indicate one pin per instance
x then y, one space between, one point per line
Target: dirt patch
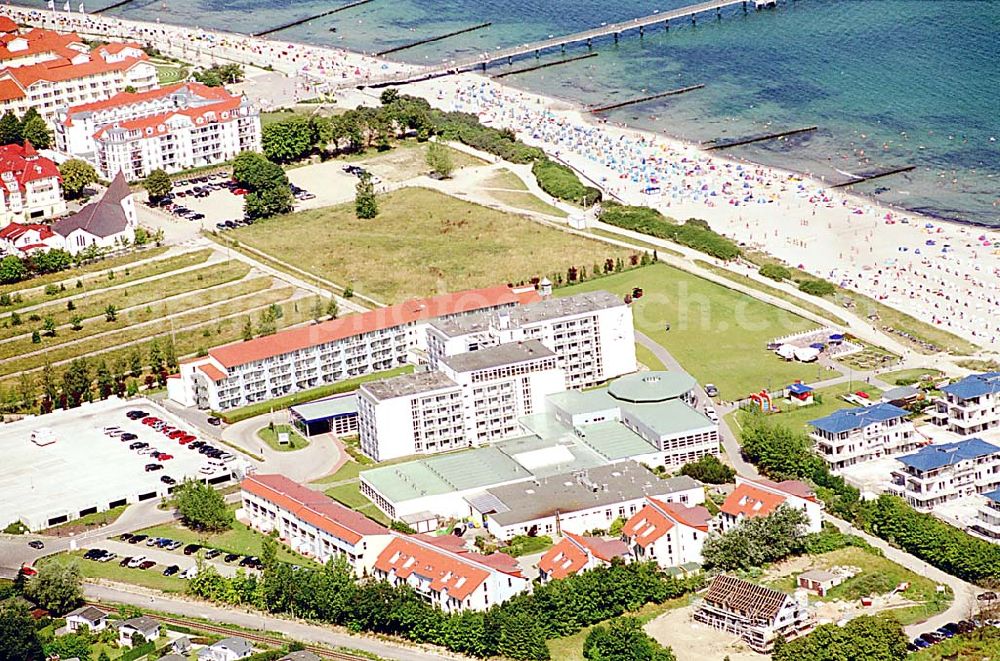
695 641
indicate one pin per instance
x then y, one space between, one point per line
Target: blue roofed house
939 473
856 435
970 405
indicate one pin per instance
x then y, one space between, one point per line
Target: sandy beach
943 273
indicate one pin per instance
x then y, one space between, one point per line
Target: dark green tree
18 635
623 639
365 203
51 261
105 381
10 129
288 140
35 131
157 184
201 507
268 202
757 541
58 587
709 470
76 382
76 176
12 270
868 637
439 159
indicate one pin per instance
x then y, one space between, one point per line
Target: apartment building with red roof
171 128
311 522
296 359
761 497
451 581
671 534
46 70
30 186
576 553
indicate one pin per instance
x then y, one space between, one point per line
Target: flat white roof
84 468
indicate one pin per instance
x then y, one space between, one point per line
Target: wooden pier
615 30
873 174
644 99
116 5
300 21
545 66
736 142
433 39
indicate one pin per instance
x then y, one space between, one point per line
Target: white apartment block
761 497
939 473
668 533
758 615
590 333
473 399
59 70
297 359
987 521
171 128
970 405
30 186
576 502
857 435
311 522
450 580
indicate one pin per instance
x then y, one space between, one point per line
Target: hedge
817 287
775 272
561 182
466 128
694 233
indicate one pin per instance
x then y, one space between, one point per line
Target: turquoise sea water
889 82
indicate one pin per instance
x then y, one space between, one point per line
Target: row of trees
757 541
868 637
516 629
30 127
15 269
219 75
85 379
694 233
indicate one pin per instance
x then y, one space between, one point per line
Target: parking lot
166 556
64 465
215 201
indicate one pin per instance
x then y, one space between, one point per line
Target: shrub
466 128
710 470
561 182
775 272
694 233
817 287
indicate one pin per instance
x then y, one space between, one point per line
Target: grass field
270 436
526 201
905 376
422 242
646 357
95 520
504 179
87 271
407 159
168 74
877 576
797 417
240 539
570 648
717 334
350 496
152 578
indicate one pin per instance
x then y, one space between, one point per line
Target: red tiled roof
129 98
209 113
748 500
25 163
445 571
647 525
9 89
62 69
692 517
7 24
212 372
313 507
14 231
563 559
294 339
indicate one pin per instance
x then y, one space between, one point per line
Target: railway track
271 641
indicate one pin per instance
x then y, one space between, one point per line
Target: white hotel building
857 435
172 128
591 334
474 398
943 472
297 359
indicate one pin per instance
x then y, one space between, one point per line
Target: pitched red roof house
657 517
573 553
443 570
24 163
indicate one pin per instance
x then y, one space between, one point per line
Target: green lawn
878 576
348 494
647 358
87 271
527 201
426 242
909 376
570 648
95 520
240 539
869 358
152 578
169 74
407 159
504 179
295 440
717 334
797 417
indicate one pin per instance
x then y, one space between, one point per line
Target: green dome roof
651 386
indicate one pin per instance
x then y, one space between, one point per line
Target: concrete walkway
294 629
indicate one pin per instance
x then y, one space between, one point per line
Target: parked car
212 553
169 481
136 561
215 422
138 445
36 544
190 572
187 438
153 467
165 457
711 390
136 414
127 436
148 564
125 536
174 545
171 570
231 557
137 538
107 557
93 554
